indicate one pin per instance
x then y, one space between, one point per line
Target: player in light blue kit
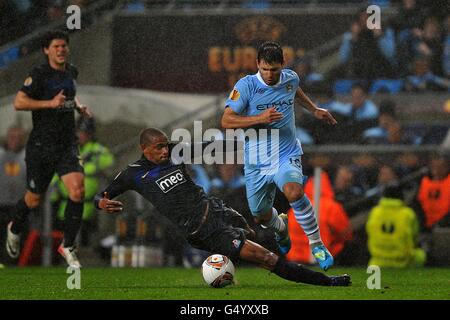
266 101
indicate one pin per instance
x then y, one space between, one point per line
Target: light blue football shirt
252 96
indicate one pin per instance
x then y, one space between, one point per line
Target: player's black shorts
224 230
43 164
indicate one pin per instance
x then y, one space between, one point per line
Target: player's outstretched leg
12 242
16 226
69 254
304 214
291 271
279 224
282 238
72 224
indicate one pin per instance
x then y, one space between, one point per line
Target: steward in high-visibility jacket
392 230
434 192
96 158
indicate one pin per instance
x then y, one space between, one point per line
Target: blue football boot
323 257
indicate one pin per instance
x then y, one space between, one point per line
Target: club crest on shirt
235 95
28 81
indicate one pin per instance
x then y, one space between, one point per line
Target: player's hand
58 100
323 114
110 206
85 111
270 115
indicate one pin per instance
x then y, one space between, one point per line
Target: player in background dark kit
49 92
206 222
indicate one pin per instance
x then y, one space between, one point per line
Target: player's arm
103 200
232 120
23 102
83 109
319 113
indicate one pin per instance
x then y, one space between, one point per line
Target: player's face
57 52
269 72
158 150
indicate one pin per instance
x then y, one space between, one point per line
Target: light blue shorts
261 187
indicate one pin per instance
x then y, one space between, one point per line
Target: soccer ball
218 271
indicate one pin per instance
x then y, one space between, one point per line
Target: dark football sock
72 222
20 216
298 273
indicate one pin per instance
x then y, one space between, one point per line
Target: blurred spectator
423 78
307 76
389 130
434 194
356 117
12 181
430 44
315 131
97 159
327 99
55 11
409 16
446 50
408 163
369 54
422 42
392 230
366 171
387 175
229 177
334 224
345 187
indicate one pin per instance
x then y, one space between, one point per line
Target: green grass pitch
187 284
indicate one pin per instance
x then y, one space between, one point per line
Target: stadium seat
9 55
343 86
387 86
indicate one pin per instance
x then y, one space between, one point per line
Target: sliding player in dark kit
206 222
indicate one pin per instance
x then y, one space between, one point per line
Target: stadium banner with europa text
208 53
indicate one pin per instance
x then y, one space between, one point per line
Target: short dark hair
270 52
388 107
393 191
361 85
54 34
148 135
86 125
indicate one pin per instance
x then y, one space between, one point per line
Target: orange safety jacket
434 197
